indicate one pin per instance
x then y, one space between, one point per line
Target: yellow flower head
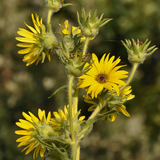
103 75
29 132
61 120
37 42
125 95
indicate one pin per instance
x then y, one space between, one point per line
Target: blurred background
27 88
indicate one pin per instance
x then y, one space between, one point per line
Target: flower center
101 78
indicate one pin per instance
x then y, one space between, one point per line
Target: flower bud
90 25
75 66
138 51
55 5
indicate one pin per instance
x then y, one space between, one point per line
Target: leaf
59 89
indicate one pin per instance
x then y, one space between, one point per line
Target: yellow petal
112 117
25 45
31 28
42 151
66 24
25 33
81 118
65 31
56 115
34 118
48 118
41 114
24 124
23 132
24 51
25 40
30 147
24 138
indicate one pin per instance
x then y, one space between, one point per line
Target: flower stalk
50 12
131 75
70 93
85 45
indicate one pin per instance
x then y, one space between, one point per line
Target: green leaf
59 139
59 89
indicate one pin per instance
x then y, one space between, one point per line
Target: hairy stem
75 101
71 78
50 12
101 104
85 46
132 73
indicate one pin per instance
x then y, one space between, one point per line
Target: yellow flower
125 96
61 120
103 75
37 42
29 132
66 29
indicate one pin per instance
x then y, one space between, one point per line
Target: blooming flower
103 75
61 119
126 95
29 132
37 42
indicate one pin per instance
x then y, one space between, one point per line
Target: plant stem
49 16
75 101
85 46
134 68
101 104
73 106
71 78
78 152
96 111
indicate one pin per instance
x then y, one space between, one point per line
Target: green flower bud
90 25
55 5
75 65
138 51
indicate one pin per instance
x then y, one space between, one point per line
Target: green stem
96 111
71 78
75 101
134 68
101 104
78 152
49 16
73 107
85 46
74 151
